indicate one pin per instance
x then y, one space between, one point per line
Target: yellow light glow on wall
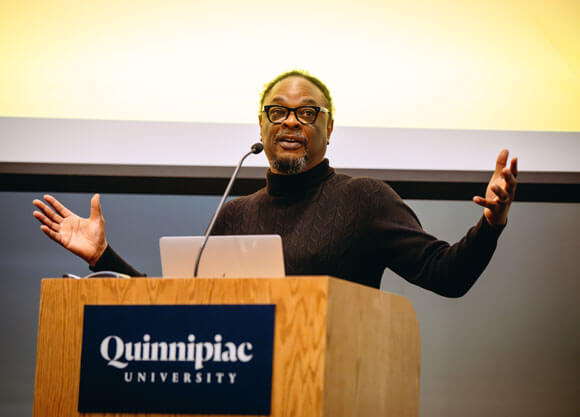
511 65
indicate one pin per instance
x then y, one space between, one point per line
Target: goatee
290 166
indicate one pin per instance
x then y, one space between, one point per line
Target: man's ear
260 123
329 128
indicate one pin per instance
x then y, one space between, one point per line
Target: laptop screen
247 256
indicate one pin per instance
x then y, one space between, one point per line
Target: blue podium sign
190 359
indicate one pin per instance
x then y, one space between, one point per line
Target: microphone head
257 148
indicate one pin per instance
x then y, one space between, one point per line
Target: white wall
203 144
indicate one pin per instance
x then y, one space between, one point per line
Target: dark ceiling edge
258 173
420 190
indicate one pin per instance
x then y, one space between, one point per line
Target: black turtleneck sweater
350 228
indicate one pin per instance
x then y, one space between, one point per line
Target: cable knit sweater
350 228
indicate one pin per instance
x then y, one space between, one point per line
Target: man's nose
291 121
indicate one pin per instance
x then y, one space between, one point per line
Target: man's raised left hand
500 191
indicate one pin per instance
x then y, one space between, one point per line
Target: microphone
255 149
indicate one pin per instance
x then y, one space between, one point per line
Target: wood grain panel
341 349
372 353
298 335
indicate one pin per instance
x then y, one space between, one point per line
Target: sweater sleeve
110 261
422 259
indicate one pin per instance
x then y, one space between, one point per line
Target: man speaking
331 224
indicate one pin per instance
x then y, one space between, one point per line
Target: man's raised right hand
83 237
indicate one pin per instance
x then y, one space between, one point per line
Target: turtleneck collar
281 185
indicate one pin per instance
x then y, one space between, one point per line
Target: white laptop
248 256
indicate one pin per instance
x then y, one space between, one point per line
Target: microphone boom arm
256 148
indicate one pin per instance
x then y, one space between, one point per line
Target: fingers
51 234
62 210
514 167
500 191
47 211
41 217
510 181
481 202
490 204
501 161
96 212
502 196
509 175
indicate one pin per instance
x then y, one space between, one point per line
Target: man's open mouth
291 142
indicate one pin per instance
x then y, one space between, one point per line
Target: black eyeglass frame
317 109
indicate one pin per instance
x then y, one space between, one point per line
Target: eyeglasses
304 114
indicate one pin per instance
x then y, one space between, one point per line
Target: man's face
291 146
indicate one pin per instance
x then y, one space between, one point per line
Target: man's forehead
296 89
301 99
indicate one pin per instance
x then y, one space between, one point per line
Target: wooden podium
340 349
